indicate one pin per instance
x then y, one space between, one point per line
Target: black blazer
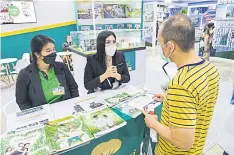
29 91
93 70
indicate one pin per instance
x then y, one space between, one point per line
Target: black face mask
50 59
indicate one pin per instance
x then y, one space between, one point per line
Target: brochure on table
15 12
108 15
223 39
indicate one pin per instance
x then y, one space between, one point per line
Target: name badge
58 91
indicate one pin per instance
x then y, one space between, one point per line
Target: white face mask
110 50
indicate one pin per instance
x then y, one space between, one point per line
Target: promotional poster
224 36
13 12
230 11
178 10
196 14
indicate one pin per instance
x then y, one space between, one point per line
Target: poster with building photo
98 27
98 9
148 30
120 26
84 10
223 39
133 10
178 10
148 12
114 11
15 12
85 28
221 10
195 13
230 11
109 27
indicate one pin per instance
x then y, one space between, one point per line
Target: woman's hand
115 74
111 71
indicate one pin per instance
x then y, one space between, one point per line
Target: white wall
47 12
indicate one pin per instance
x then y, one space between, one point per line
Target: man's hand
159 97
150 120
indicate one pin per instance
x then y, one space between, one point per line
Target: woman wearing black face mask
44 81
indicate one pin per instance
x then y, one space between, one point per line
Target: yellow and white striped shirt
189 103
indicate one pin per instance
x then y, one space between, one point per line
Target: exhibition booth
110 121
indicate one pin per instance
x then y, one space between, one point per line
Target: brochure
89 105
119 95
29 118
125 109
143 102
103 121
22 142
58 108
66 133
215 150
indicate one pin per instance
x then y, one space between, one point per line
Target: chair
27 57
58 59
21 64
3 76
10 108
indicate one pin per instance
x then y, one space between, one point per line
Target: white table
65 55
7 62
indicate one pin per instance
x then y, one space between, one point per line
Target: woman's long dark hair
101 41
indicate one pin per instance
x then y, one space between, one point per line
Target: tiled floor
155 77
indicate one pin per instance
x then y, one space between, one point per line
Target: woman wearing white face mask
209 30
107 69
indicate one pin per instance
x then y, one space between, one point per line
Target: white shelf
109 21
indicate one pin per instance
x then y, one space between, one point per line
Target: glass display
85 41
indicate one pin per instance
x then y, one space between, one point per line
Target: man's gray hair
179 29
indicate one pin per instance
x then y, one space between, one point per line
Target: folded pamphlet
89 105
102 122
126 109
67 133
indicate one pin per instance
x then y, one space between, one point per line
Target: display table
135 58
125 140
